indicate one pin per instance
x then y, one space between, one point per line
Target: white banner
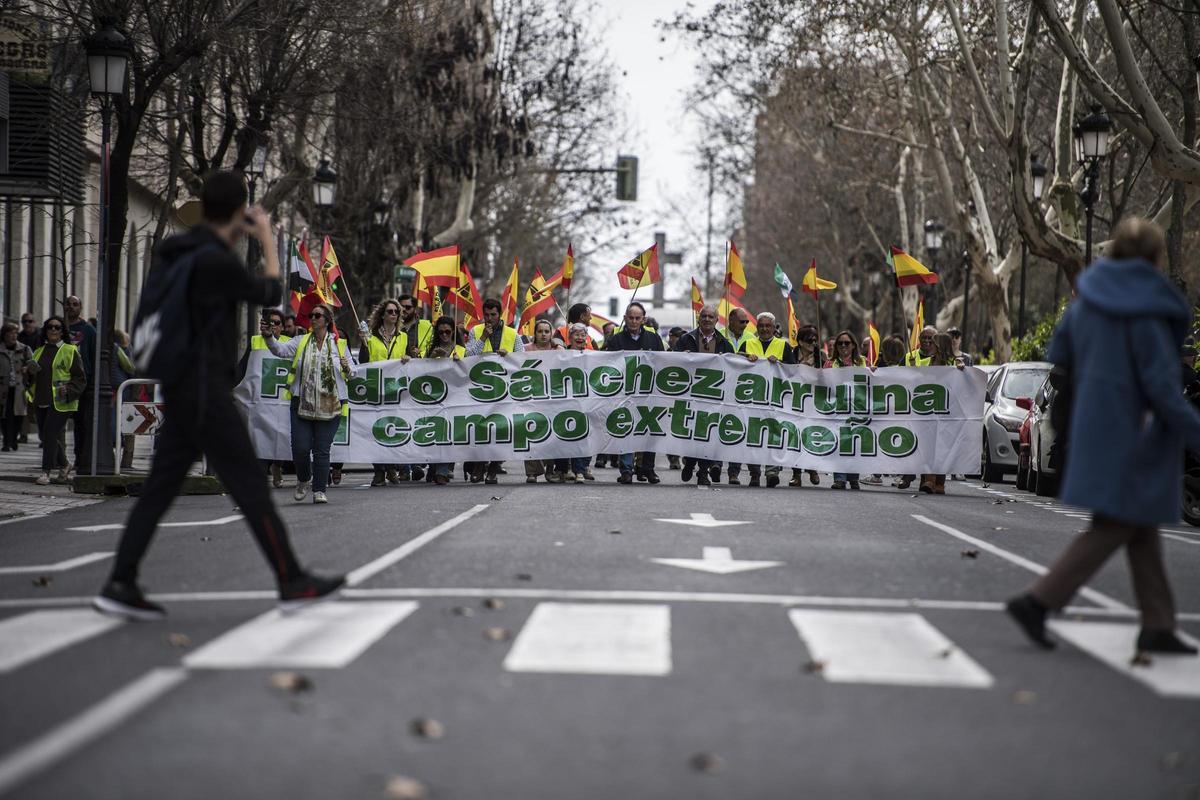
899 420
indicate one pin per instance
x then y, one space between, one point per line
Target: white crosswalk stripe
31 636
325 636
886 648
1113 643
598 639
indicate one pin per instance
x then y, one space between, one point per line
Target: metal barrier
141 419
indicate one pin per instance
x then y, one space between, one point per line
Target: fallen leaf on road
493 604
1141 659
970 554
497 497
428 728
706 762
1024 697
615 533
179 640
402 787
462 611
949 651
41 581
814 667
524 576
498 634
206 538
292 682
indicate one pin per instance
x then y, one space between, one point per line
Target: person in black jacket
634 337
200 416
704 339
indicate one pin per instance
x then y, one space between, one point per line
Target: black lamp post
108 59
1091 146
1037 171
324 184
935 233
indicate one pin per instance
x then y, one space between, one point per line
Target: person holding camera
200 417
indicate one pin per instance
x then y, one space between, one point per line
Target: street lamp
935 233
380 212
1091 146
1037 172
324 185
108 58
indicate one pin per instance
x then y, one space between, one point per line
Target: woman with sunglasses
318 397
845 354
383 341
445 341
55 393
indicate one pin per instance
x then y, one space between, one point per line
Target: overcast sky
672 196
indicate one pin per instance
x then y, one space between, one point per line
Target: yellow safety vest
257 342
304 340
60 375
378 351
754 347
915 359
858 362
737 344
424 337
508 338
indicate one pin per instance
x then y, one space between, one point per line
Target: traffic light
627 177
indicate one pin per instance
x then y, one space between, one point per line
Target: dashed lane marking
387 560
61 566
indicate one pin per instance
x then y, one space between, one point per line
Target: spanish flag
813 284
437 267
568 267
914 338
508 299
466 297
641 271
697 298
727 304
873 350
909 271
421 291
539 297
735 272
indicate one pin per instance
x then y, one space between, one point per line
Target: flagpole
820 348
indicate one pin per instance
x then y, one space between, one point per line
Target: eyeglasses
845 344
316 315
809 339
274 322
446 332
26 322
407 308
54 327
392 310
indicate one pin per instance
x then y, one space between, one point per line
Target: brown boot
927 483
939 484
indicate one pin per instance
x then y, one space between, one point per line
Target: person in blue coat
1129 422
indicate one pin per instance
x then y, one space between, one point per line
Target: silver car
1002 416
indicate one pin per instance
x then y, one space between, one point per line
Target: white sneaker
319 497
301 490
43 479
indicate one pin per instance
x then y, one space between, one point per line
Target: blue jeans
845 476
627 462
313 436
580 465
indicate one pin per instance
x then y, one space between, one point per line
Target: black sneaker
755 481
1151 641
772 481
703 479
714 473
125 600
652 476
308 589
625 477
686 475
418 474
1030 616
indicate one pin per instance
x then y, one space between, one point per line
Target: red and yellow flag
793 325
539 297
735 272
437 267
697 298
813 283
568 267
909 271
872 353
421 291
508 298
641 271
914 338
466 298
329 272
302 252
727 304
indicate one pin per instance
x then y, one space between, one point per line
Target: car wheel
1191 502
991 474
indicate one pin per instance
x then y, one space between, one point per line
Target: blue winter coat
1129 423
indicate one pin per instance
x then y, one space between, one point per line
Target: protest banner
560 404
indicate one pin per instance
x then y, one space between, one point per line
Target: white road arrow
705 521
718 560
197 524
61 566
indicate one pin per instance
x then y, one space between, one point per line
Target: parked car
1003 415
1023 449
1045 462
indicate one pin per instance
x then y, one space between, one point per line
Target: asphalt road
865 655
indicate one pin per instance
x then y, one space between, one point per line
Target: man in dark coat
1119 341
704 339
634 337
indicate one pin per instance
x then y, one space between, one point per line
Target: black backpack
162 329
